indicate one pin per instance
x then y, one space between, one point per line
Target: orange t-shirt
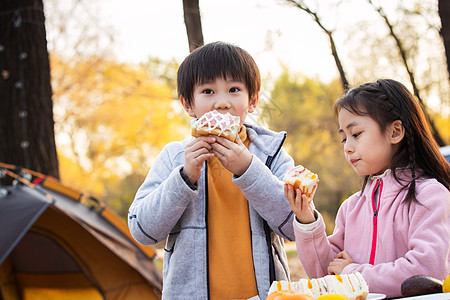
231 271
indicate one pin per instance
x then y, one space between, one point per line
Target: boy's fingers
224 142
238 140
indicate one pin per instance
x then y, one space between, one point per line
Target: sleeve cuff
307 227
193 186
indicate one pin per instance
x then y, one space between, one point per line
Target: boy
220 204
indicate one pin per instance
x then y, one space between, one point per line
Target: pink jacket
401 240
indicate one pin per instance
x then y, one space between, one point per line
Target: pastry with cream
224 125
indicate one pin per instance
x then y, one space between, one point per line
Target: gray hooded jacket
165 207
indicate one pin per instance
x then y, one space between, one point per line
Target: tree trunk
27 136
444 14
193 23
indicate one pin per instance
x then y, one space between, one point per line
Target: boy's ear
253 102
397 132
187 107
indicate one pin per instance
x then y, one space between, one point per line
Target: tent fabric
17 214
58 247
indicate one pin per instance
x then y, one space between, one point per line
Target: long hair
386 101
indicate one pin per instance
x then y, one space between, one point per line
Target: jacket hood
266 140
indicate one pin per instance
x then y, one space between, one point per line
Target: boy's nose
222 103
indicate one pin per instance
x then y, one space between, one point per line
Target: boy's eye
343 141
234 90
208 91
356 134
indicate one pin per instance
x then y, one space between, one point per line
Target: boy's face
223 95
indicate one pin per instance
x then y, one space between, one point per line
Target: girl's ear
253 102
397 132
187 107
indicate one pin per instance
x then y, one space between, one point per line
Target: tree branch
301 5
403 54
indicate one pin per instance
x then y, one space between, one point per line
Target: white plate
439 296
373 296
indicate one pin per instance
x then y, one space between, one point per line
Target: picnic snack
332 297
213 122
353 286
289 295
303 179
446 285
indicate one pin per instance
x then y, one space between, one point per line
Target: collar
375 177
243 134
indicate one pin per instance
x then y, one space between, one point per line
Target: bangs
356 104
218 64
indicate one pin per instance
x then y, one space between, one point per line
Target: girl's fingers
305 202
288 192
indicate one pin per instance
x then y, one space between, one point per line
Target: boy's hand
235 157
196 152
342 260
299 204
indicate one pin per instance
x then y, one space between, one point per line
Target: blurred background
98 102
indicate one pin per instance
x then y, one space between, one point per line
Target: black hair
386 101
214 60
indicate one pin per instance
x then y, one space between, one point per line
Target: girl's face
223 95
366 147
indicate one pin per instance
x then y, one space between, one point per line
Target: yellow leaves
112 120
443 125
307 115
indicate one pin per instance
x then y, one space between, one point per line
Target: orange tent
57 243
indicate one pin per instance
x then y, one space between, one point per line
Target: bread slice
305 180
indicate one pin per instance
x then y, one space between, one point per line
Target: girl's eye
234 90
208 91
356 134
343 141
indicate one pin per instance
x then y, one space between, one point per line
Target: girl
398 225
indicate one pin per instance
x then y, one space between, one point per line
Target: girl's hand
342 260
299 204
196 152
235 157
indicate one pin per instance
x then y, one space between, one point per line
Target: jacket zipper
379 186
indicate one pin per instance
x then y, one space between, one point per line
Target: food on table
213 122
332 297
352 286
305 180
446 285
289 295
421 285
